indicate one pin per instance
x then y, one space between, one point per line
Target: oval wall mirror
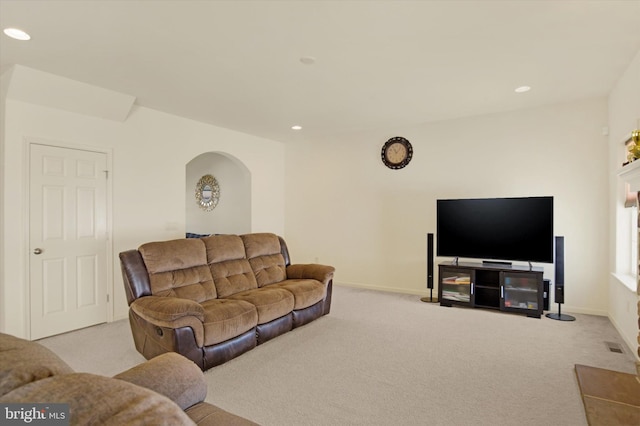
207 193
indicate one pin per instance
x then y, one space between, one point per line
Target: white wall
345 208
149 153
624 116
4 88
232 215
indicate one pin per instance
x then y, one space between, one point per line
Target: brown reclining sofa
167 390
214 298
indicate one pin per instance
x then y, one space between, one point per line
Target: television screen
496 228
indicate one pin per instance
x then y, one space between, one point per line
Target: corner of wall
624 116
50 90
5 79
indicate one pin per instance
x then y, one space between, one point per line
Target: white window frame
627 232
633 249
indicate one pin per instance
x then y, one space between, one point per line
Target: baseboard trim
631 345
420 293
552 307
576 310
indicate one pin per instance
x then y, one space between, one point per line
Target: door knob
37 251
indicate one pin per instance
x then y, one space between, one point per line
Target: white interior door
68 239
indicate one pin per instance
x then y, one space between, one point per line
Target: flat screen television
509 229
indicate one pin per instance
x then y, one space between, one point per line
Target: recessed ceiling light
17 34
522 89
308 60
296 127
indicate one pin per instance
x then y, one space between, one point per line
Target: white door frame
28 141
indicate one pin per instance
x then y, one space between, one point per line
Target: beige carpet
390 359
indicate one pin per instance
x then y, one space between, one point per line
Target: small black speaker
545 294
429 260
559 266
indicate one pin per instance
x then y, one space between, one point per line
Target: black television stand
508 288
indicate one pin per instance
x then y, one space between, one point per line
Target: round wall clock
396 153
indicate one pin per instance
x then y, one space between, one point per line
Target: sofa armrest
171 312
134 275
171 375
322 273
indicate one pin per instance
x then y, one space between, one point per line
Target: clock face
396 153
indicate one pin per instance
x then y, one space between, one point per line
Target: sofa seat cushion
271 302
305 292
23 362
225 319
98 400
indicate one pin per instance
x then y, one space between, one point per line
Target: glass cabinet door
521 291
456 285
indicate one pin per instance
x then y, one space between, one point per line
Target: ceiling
379 65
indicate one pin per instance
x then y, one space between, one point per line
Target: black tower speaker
559 266
429 260
430 270
559 287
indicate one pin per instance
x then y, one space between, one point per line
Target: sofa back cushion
23 362
265 257
228 264
179 268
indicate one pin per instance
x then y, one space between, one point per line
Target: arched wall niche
232 215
